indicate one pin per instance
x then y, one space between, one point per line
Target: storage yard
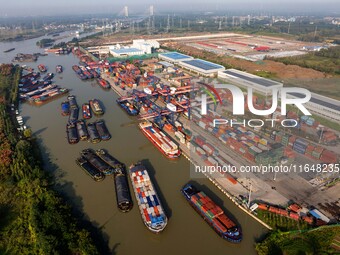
169 96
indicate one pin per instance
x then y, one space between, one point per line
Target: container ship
42 68
90 170
149 204
86 111
128 107
163 143
212 214
96 107
123 196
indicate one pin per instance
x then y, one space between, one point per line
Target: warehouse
125 52
174 57
243 79
201 67
321 105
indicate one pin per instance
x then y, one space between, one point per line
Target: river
125 233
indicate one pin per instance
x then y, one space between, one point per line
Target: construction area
170 97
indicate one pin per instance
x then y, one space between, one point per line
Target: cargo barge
86 111
72 101
128 107
9 50
96 107
97 162
82 130
65 108
102 130
90 170
73 117
212 214
48 95
151 210
123 196
163 143
72 134
93 133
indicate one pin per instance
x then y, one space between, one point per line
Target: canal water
186 233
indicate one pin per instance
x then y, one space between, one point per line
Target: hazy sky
56 7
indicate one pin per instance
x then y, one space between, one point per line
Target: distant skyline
67 7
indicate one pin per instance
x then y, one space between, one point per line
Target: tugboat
150 208
96 107
65 108
86 111
59 69
42 68
90 170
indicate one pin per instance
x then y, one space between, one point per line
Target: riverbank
34 218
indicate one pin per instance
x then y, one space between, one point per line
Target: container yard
166 100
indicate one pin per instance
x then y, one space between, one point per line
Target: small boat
102 130
9 50
104 83
82 130
93 133
65 108
59 69
150 208
95 161
86 111
48 77
42 68
96 107
89 169
73 102
128 107
74 114
72 134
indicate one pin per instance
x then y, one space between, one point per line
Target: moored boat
93 133
123 196
97 162
82 130
96 107
102 130
42 68
9 50
150 208
212 214
104 83
162 142
59 68
89 169
72 134
72 101
86 111
74 114
65 108
128 107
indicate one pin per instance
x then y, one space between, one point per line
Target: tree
28 133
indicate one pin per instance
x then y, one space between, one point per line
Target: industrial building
122 52
174 57
201 67
147 46
243 79
321 105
